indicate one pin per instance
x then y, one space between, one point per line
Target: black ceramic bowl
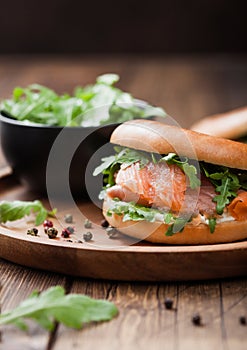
40 155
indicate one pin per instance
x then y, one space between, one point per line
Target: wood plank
16 284
234 305
202 298
142 323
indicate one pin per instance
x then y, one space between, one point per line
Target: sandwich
170 185
231 125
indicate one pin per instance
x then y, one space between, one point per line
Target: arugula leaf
189 169
124 157
11 211
177 226
52 305
135 212
93 105
226 184
212 224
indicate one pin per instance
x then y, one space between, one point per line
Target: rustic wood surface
188 88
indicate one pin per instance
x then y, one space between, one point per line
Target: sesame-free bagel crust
153 136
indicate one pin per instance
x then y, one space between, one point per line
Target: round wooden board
120 258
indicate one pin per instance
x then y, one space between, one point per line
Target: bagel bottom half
155 232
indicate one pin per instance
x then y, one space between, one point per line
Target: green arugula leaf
11 211
135 212
177 226
92 105
124 157
52 305
212 224
226 184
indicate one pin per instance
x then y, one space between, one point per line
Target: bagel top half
152 136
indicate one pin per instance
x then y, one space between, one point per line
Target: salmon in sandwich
170 185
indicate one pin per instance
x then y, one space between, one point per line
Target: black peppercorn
168 303
242 320
52 232
196 319
104 223
87 236
68 218
33 231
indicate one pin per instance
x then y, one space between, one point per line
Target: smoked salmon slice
161 185
238 207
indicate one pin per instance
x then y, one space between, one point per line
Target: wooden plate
120 258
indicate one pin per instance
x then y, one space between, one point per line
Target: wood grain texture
16 285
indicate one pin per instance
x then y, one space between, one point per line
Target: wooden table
188 88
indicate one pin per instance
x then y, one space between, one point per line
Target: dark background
62 26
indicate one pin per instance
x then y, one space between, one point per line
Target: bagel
230 125
169 185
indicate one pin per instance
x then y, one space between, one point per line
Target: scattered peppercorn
242 320
87 236
87 224
68 218
196 319
79 241
111 232
69 240
168 303
65 233
48 223
52 232
70 229
33 231
104 223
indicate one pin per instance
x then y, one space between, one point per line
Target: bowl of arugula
35 117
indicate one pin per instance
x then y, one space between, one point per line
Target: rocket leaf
52 305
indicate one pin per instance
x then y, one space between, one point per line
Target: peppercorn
111 232
48 223
52 232
68 218
196 319
104 223
168 303
79 241
87 236
70 229
242 320
65 233
33 231
87 224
